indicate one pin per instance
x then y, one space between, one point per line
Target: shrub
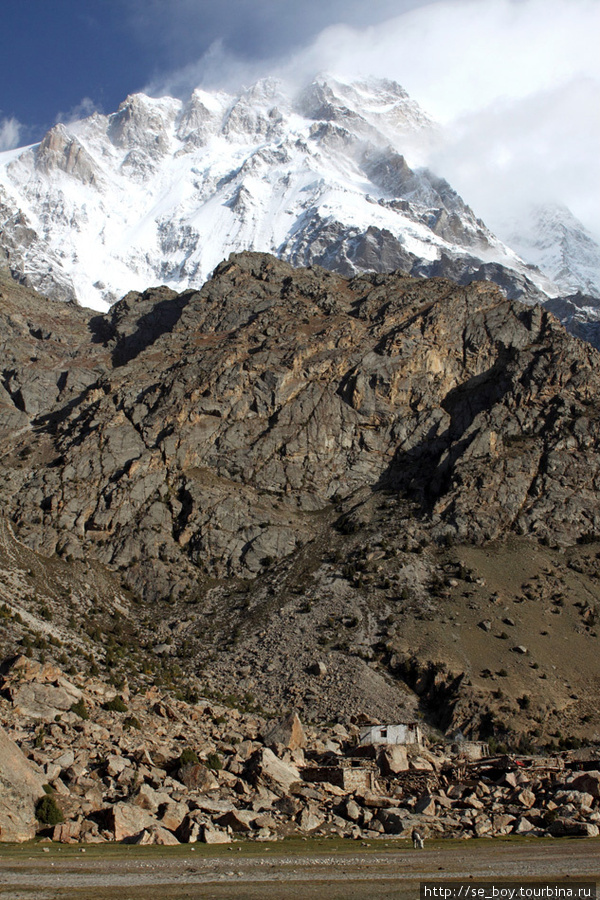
132 722
496 747
117 704
188 757
80 709
47 811
213 761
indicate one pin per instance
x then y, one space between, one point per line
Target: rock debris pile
149 769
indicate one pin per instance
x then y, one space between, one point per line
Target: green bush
47 811
188 757
213 761
117 704
80 709
132 722
496 747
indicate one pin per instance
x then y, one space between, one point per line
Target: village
81 763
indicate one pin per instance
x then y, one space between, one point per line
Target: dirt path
352 874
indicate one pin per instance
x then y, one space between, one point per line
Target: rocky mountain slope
161 191
376 495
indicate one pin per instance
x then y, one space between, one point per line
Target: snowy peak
382 105
143 124
551 237
201 117
162 190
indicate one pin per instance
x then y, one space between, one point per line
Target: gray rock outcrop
22 785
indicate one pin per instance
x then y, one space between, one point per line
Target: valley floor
310 870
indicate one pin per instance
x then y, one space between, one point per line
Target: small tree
47 811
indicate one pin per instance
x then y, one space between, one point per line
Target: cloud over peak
10 133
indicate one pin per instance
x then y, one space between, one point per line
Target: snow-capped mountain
162 190
552 238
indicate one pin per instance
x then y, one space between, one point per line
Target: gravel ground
365 874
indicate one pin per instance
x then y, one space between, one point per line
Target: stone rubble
114 782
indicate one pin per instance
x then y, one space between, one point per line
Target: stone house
472 750
351 775
403 733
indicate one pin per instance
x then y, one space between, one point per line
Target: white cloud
10 131
515 83
537 149
455 56
217 68
86 107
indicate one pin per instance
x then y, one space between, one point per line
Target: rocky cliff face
204 431
289 443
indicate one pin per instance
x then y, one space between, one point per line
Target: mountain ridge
160 191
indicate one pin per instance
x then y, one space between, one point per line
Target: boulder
21 786
67 832
394 821
116 765
127 821
502 823
198 778
523 826
273 772
482 827
526 798
573 827
576 798
392 759
589 782
353 810
45 701
239 820
420 764
211 805
378 801
319 669
288 732
264 820
172 815
147 798
190 829
156 834
65 760
425 806
212 835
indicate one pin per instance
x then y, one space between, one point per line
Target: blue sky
514 83
58 53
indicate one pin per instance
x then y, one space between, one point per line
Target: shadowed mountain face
246 430
202 433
